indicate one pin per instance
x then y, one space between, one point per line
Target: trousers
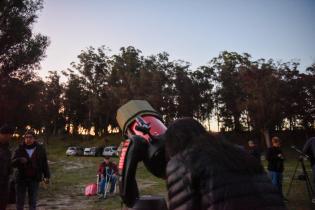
29 186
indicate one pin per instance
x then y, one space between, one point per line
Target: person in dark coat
309 149
205 173
31 161
275 160
5 164
253 150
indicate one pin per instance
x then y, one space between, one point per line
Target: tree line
242 94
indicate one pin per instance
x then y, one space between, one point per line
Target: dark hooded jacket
36 168
207 173
198 180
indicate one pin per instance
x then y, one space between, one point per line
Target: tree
308 109
52 105
18 101
262 86
94 68
183 85
152 80
203 84
124 78
229 92
20 49
20 53
75 102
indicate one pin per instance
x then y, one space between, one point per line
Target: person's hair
275 139
184 133
187 134
6 129
30 132
251 142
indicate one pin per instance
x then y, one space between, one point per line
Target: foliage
259 95
20 53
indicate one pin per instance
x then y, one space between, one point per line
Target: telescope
304 176
300 152
142 128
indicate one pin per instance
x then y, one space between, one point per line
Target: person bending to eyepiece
205 173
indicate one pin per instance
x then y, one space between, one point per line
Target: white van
90 151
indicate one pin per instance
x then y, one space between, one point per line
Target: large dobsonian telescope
141 126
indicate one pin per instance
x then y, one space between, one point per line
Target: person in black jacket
31 161
309 149
253 150
5 164
275 160
206 173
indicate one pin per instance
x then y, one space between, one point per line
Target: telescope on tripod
304 176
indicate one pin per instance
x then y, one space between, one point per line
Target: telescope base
150 202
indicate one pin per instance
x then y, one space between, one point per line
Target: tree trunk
266 135
237 123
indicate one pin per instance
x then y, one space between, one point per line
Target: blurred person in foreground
309 149
205 173
5 164
30 159
275 160
107 171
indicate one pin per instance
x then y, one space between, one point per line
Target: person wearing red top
108 171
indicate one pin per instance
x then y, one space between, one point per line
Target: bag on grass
91 189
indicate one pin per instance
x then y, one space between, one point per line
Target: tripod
304 176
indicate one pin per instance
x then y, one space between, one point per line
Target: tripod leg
292 178
307 181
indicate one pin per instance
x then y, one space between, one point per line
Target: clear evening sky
194 31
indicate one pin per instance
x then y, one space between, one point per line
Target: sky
194 31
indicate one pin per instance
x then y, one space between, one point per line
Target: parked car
73 151
90 151
110 151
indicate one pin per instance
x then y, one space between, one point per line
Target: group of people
203 172
275 159
30 160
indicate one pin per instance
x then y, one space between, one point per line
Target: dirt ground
77 201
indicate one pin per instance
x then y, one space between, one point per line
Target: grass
70 175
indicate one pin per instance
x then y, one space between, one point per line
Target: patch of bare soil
61 203
76 201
